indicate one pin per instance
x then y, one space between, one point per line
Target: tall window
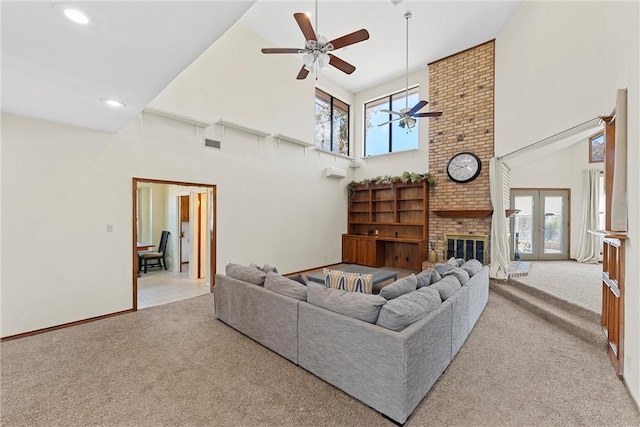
389 138
332 123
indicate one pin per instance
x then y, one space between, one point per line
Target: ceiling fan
407 116
317 48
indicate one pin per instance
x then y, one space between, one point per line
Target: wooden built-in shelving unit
387 225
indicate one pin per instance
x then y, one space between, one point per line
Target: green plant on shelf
406 177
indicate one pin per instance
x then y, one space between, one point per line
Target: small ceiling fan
407 116
317 48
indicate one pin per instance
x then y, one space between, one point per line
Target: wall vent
212 143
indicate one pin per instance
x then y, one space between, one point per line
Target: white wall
560 169
559 64
273 203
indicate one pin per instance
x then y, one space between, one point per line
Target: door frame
134 223
537 210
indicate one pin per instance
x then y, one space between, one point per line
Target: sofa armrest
264 316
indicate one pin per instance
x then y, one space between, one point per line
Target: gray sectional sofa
388 370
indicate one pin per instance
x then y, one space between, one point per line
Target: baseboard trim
64 325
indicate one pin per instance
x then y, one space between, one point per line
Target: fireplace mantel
470 213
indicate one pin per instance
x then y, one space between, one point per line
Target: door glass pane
553 228
522 232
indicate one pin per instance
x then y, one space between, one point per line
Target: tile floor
158 287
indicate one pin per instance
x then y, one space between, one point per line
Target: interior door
540 230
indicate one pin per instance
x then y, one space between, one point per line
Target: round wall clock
464 167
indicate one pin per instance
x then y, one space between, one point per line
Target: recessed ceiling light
77 16
74 14
113 103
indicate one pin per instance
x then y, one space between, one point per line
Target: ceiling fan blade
392 112
282 50
431 114
390 121
355 37
417 107
303 73
305 25
341 64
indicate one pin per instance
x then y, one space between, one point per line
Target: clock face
464 167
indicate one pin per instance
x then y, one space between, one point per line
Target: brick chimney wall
462 87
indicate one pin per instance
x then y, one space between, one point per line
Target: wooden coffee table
379 275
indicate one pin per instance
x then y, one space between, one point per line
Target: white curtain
619 196
499 268
590 244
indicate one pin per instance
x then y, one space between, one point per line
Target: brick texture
462 87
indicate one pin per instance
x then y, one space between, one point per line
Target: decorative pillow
244 273
462 275
435 276
352 282
353 304
473 266
447 286
460 261
267 268
400 312
285 286
424 278
453 262
299 278
399 287
442 268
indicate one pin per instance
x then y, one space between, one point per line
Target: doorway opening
188 211
540 230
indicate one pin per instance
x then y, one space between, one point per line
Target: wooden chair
145 257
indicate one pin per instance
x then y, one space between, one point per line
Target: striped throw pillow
350 282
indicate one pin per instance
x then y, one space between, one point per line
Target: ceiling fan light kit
317 47
406 116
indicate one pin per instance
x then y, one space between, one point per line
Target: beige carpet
571 281
176 365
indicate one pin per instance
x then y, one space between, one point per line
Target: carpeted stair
579 321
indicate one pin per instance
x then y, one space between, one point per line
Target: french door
540 230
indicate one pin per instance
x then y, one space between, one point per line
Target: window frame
334 103
388 100
592 138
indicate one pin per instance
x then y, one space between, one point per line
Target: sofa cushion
285 286
447 286
399 287
461 274
460 261
424 278
268 267
400 312
352 282
353 304
442 268
473 266
435 276
300 279
453 262
246 274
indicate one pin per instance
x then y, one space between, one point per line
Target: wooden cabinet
387 225
362 250
613 290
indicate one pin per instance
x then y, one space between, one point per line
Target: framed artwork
596 148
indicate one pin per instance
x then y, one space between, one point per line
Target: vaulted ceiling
59 71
